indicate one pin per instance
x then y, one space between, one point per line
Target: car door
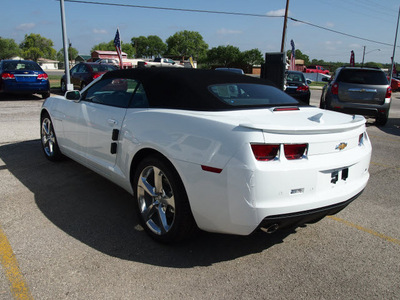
103 109
75 79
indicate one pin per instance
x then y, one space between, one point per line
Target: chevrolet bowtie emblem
341 146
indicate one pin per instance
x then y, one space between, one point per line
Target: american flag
117 44
292 65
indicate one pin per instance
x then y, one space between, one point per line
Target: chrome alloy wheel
156 200
48 137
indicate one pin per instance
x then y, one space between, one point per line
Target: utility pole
394 48
284 27
362 64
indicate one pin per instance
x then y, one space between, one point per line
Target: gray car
363 91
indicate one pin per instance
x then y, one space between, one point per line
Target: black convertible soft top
183 88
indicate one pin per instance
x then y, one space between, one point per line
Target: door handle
112 122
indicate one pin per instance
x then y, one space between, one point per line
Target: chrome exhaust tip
270 229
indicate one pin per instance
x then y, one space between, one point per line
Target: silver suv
363 91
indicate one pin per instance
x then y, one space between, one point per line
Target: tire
322 104
63 86
382 119
49 141
46 95
161 201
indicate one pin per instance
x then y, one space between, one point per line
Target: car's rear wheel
161 201
382 119
49 140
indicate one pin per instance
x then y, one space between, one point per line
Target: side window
112 92
75 69
139 99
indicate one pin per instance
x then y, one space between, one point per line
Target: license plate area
339 175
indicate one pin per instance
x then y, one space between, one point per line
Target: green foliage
104 46
299 55
151 46
8 48
253 57
128 49
227 56
35 46
187 43
72 54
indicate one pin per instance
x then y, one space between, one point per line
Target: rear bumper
300 218
25 88
365 109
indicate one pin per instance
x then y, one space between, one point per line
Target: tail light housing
268 152
96 76
6 76
265 152
335 88
303 89
388 92
43 77
295 151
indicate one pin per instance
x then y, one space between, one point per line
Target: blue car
23 77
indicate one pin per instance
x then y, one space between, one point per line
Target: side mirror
73 95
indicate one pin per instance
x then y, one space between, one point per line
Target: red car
316 69
395 85
84 73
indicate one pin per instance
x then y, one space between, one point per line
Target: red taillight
335 89
43 76
96 76
6 76
303 88
265 152
294 151
388 92
286 108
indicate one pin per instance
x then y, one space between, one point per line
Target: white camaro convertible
215 150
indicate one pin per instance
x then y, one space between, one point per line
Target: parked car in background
84 73
356 90
110 61
23 77
395 84
216 150
159 62
234 70
296 85
316 69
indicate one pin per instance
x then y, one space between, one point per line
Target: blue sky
89 24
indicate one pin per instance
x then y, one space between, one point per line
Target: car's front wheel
49 140
63 86
161 201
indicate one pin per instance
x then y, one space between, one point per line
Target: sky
261 26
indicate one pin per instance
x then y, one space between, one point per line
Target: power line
225 13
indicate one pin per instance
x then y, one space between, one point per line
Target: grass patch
317 83
55 81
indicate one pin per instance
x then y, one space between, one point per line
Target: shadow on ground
100 214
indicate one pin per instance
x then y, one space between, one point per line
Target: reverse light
295 151
265 152
335 89
43 77
6 76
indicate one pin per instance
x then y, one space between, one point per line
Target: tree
299 55
151 46
35 46
8 48
72 54
186 43
253 57
104 46
226 56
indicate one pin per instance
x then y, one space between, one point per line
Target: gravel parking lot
67 233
